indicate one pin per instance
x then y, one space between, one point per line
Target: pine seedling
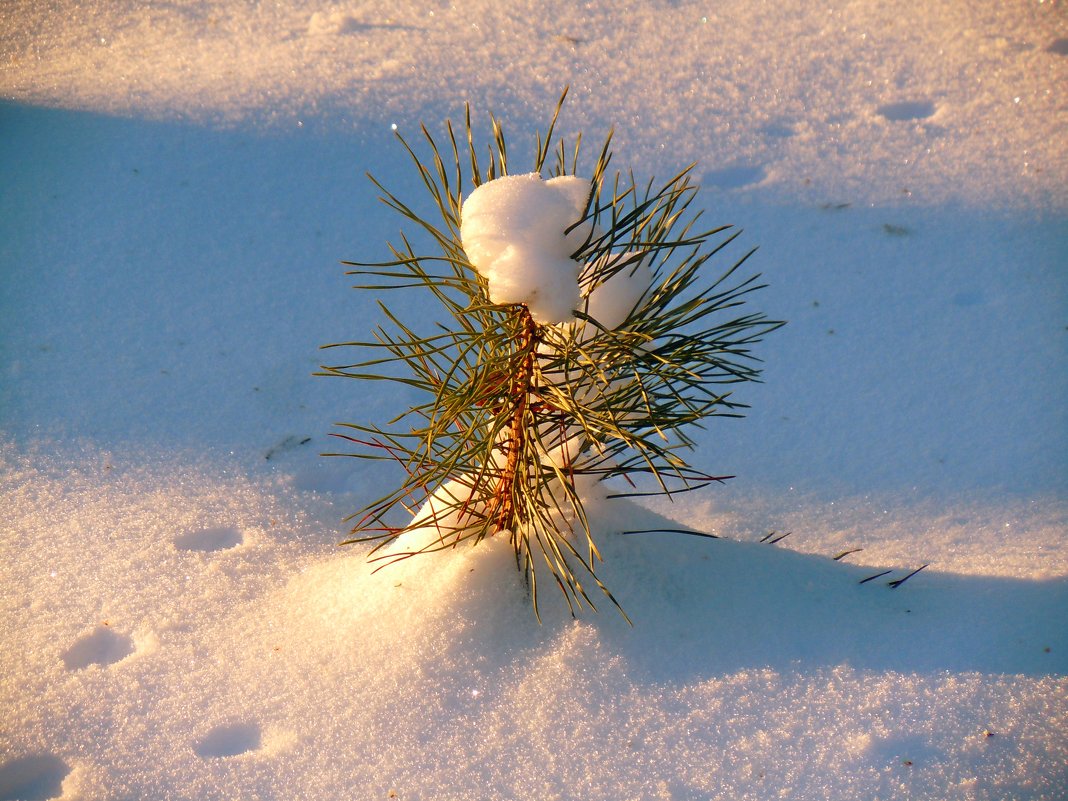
582 338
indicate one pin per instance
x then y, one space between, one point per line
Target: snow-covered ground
178 182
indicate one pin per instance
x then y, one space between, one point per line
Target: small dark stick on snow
895 584
877 575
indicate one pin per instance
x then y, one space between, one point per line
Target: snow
520 233
613 300
179 183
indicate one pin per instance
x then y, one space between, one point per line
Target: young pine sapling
583 337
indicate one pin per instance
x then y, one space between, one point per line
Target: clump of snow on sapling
519 232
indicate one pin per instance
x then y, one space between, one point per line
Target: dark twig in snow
895 584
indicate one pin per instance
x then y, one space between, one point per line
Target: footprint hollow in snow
219 538
904 749
735 177
779 130
102 646
32 778
228 740
1059 47
907 110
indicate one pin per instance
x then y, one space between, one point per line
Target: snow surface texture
179 181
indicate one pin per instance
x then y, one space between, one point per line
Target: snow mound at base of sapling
718 604
281 667
437 661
